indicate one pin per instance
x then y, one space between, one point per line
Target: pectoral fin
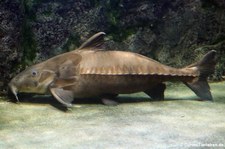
63 96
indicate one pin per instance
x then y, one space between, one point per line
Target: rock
10 36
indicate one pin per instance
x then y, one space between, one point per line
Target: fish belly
96 85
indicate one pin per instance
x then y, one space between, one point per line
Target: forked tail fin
204 68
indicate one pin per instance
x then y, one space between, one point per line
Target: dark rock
10 26
57 23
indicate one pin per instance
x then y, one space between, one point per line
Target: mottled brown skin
92 72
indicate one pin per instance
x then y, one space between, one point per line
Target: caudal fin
204 68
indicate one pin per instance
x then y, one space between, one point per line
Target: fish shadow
48 99
39 99
133 99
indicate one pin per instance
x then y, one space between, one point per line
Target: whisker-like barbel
14 91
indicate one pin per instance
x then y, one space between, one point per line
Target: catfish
91 71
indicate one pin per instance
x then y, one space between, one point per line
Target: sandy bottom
178 122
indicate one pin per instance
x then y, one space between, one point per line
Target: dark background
174 32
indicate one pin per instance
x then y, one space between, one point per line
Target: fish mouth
14 90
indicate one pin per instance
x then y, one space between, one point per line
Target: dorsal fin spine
94 42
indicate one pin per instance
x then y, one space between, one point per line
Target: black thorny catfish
90 71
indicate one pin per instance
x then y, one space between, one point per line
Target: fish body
90 71
118 72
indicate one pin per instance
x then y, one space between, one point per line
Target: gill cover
62 86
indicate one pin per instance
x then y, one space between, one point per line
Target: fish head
34 79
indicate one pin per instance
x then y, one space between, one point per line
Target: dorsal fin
94 42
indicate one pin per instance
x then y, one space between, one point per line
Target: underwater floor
178 122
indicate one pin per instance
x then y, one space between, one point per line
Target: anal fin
157 92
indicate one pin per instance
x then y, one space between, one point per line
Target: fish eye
34 73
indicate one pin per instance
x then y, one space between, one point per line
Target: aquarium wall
174 32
